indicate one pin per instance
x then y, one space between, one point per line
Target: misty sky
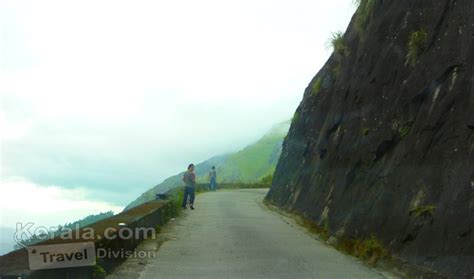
100 100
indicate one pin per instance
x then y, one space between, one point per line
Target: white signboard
61 255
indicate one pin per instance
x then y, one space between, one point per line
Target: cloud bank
111 97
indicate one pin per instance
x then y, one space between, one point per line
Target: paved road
232 235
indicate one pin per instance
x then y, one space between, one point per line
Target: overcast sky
100 100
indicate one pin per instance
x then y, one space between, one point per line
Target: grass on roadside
370 250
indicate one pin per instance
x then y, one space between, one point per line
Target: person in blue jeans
212 179
189 179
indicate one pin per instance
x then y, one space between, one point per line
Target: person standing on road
212 179
189 179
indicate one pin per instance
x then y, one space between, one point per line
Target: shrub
295 117
340 48
364 11
98 272
267 181
423 211
315 228
176 197
336 70
158 228
316 86
370 250
338 44
365 131
416 45
404 131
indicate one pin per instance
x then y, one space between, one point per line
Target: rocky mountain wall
382 143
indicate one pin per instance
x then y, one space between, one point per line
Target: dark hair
190 166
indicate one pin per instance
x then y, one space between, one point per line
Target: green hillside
256 160
248 165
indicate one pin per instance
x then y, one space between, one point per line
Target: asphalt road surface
231 234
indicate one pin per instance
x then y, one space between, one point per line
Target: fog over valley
95 110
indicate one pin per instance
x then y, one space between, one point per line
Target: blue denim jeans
213 184
188 192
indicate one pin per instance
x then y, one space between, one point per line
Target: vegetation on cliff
379 153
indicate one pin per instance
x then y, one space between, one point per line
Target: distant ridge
247 165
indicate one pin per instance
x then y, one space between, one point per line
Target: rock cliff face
382 143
